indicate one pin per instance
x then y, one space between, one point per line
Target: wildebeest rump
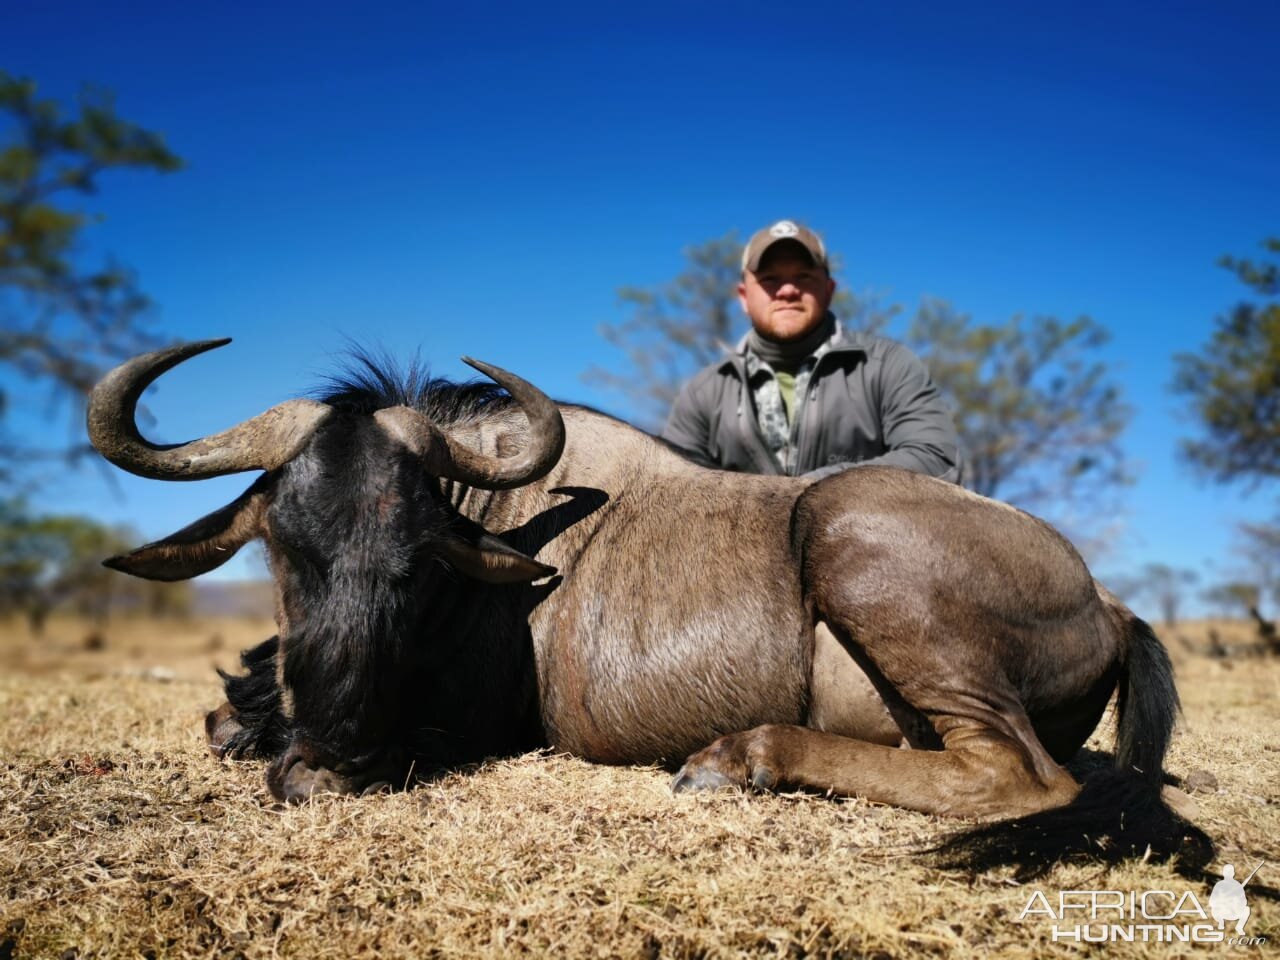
460 573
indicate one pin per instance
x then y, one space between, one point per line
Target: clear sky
482 181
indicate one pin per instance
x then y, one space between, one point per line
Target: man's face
788 295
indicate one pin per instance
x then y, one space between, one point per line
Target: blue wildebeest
462 572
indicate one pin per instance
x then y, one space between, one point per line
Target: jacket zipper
810 395
749 426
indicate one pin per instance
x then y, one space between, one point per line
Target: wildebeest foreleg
250 723
222 726
978 773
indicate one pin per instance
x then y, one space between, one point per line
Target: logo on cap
788 230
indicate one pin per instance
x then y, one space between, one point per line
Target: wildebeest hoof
698 779
744 760
220 726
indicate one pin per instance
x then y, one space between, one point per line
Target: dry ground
121 837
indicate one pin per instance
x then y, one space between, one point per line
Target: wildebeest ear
491 560
203 546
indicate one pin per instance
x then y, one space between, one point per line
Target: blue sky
482 181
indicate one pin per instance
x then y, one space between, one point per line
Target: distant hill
232 598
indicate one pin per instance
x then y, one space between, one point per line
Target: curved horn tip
492 371
175 353
202 345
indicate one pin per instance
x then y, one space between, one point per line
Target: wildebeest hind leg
978 773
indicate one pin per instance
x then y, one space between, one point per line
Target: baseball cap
766 237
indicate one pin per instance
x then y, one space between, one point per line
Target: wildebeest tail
1147 705
1119 813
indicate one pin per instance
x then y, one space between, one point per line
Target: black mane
370 382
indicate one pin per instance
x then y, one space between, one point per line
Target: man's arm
689 426
918 429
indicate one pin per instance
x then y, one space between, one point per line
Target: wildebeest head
357 531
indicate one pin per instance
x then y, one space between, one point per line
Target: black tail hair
256 697
1118 814
1147 705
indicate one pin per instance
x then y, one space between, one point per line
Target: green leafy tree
54 561
1233 387
676 328
1233 382
63 321
48 561
1038 412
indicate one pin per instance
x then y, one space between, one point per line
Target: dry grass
121 837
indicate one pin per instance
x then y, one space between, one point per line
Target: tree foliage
1260 554
1039 414
63 321
1160 584
1233 598
1233 382
1233 387
54 561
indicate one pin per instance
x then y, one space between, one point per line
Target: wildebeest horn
265 442
446 457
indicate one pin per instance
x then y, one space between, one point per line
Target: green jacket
869 400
